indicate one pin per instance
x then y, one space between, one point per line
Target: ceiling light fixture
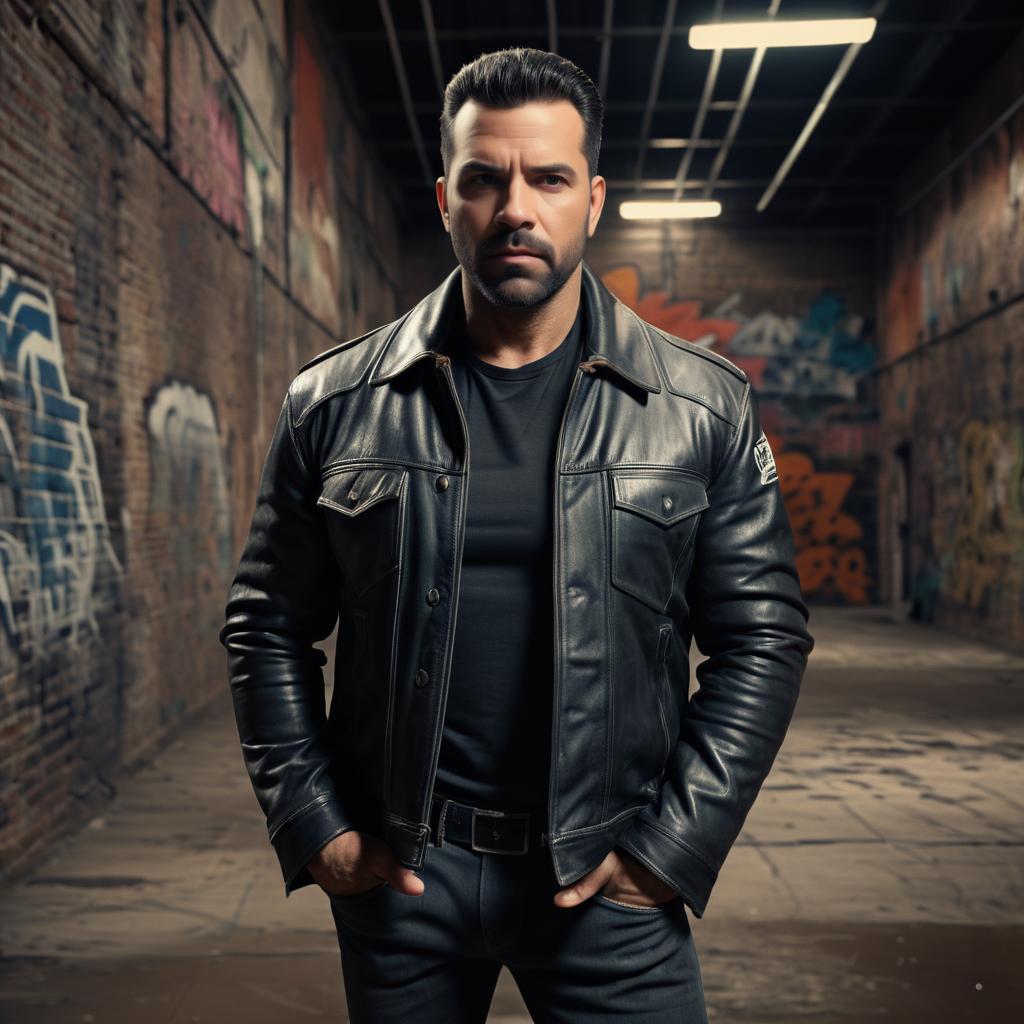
682 209
740 35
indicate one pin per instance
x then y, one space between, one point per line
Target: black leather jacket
668 522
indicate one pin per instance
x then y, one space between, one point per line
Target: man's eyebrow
482 165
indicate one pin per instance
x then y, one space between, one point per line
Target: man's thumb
405 879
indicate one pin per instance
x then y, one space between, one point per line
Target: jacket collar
615 337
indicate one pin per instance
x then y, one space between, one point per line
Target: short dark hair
517 75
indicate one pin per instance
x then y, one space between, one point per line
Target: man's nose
516 210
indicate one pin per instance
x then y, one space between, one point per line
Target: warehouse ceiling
685 123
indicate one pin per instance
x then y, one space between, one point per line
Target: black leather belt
481 829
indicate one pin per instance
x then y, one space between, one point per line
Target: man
522 502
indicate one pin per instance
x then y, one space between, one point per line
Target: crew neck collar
535 367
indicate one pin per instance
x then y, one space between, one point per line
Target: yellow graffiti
828 556
990 524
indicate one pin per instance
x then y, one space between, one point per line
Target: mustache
517 240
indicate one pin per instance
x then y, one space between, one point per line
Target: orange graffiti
828 557
682 319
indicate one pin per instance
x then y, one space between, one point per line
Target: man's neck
512 336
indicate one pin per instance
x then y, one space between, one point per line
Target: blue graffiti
55 550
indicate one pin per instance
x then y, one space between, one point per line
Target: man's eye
477 177
557 178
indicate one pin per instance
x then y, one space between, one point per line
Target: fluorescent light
683 209
746 34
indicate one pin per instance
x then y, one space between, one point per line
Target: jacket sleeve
748 617
284 599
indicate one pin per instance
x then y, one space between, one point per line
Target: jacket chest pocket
365 509
654 516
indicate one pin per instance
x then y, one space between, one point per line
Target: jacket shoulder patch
765 460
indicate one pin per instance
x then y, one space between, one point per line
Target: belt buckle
480 814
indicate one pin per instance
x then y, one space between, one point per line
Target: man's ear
442 199
598 194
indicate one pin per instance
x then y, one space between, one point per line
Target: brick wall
951 380
187 213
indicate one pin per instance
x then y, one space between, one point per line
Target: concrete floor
880 875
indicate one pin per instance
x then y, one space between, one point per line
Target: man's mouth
514 255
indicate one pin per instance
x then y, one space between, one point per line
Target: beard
509 285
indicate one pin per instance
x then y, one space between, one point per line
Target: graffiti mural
189 494
989 532
821 353
55 547
830 556
206 128
227 137
806 371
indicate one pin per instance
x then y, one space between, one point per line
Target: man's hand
620 876
356 861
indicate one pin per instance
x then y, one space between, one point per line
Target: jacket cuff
300 837
675 864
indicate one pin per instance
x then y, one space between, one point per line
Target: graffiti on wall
189 493
315 242
206 132
829 542
820 355
954 256
989 532
56 556
823 352
226 136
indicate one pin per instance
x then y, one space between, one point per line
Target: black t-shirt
496 744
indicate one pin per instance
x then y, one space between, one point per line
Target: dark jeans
436 957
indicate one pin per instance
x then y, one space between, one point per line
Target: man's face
518 178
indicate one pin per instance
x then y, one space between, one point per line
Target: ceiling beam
655 85
435 53
403 86
744 102
606 48
849 56
693 143
919 65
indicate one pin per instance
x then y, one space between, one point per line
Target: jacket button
441 483
433 596
421 677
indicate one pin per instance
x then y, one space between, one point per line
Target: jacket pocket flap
664 498
354 490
